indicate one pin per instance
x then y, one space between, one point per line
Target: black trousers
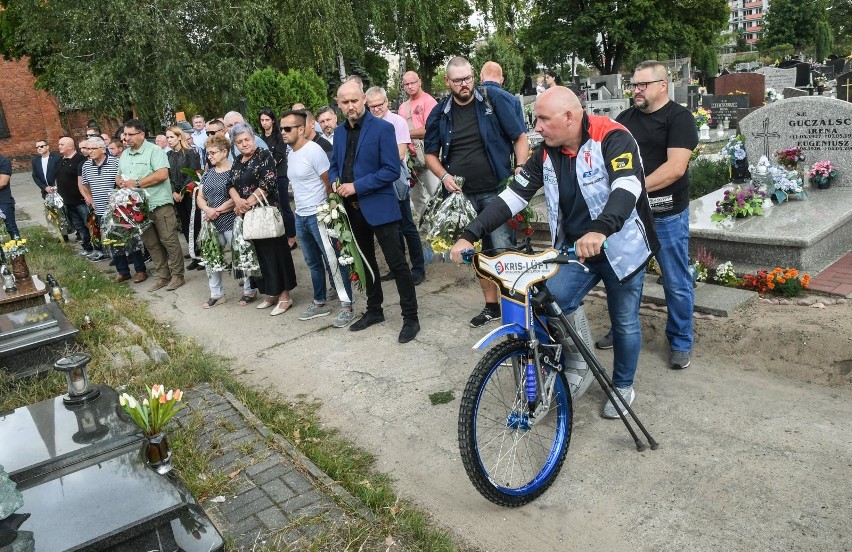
184 211
388 237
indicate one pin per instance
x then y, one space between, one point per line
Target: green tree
840 19
797 23
501 49
605 32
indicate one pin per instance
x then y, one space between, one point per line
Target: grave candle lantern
76 373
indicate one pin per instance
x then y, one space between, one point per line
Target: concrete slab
709 298
808 235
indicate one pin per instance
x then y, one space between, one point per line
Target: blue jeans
78 215
9 210
499 240
122 264
408 234
307 230
673 256
570 285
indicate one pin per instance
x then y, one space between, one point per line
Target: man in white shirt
307 170
199 132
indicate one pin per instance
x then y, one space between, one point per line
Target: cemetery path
754 435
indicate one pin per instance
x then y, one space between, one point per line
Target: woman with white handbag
253 187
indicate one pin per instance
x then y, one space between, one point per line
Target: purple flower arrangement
743 201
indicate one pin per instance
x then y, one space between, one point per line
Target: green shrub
707 176
271 88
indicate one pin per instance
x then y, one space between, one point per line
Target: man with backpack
478 137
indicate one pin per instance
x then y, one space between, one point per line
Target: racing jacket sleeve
511 201
627 180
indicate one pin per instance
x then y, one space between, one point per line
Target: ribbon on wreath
191 232
334 265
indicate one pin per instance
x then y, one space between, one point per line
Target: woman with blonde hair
183 156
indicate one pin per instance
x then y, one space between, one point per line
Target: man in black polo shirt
68 181
666 134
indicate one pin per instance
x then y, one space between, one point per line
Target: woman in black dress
271 134
254 172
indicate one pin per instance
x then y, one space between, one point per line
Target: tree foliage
797 23
606 32
840 20
501 49
108 56
276 90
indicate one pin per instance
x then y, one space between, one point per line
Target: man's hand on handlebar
588 246
456 251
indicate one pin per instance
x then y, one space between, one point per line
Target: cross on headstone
765 135
846 86
693 103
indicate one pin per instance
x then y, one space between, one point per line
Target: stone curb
300 460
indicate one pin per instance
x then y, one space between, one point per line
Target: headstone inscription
725 107
842 87
752 84
778 79
803 71
821 126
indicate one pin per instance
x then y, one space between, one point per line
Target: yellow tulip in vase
151 415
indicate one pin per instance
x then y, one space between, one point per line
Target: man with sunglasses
44 168
475 136
666 134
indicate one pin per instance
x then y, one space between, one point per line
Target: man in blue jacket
364 165
475 135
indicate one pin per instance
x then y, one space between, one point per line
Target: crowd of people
616 192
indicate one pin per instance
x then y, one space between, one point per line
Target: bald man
68 184
415 111
364 166
594 187
491 79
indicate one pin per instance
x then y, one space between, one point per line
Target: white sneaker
628 394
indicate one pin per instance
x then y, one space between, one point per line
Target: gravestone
598 94
753 84
839 65
680 95
821 126
843 87
826 71
778 79
31 339
612 82
610 108
791 92
86 487
692 97
803 71
725 107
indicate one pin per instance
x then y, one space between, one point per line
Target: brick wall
33 115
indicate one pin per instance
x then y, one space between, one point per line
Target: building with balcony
747 17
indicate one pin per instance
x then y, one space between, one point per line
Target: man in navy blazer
44 168
364 165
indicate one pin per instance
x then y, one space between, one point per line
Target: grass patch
109 304
441 397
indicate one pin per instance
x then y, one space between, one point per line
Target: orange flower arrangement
786 281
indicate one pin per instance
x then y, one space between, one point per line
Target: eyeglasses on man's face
377 106
412 83
287 129
39 146
642 86
214 132
463 80
132 133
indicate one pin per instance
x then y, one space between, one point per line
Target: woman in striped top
217 206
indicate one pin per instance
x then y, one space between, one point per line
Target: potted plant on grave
819 83
151 415
735 151
790 157
821 174
741 202
787 184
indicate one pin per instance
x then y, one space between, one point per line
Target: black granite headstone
725 107
803 71
843 86
692 97
86 486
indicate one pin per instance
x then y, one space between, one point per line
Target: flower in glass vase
790 157
743 201
155 411
15 248
822 173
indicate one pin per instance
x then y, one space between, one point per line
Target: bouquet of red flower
195 177
522 222
790 157
128 218
94 229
